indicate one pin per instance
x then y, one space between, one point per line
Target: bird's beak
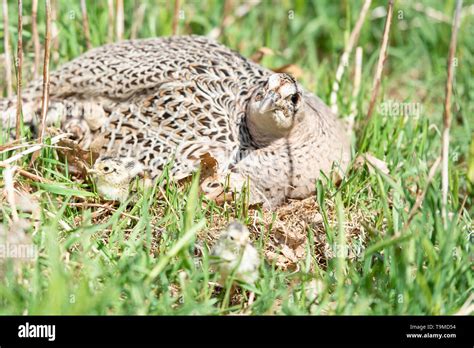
268 103
92 171
242 241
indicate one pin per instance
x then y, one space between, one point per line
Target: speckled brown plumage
183 97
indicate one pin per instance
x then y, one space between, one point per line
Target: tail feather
8 111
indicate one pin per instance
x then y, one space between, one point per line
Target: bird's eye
106 169
295 98
231 237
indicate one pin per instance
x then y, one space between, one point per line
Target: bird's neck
262 137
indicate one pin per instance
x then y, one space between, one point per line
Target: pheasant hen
179 98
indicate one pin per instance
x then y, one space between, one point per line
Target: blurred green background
428 270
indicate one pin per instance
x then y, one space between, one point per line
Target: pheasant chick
114 175
236 254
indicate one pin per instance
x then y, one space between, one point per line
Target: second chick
236 254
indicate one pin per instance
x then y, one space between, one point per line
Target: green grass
117 264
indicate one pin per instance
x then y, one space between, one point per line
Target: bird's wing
119 70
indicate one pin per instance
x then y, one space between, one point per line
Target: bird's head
115 171
276 108
237 234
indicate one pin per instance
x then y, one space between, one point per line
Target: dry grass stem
8 174
85 24
19 69
47 49
15 145
355 90
54 32
226 15
175 17
36 42
119 27
11 145
344 61
138 17
6 46
381 61
32 149
110 21
27 174
447 111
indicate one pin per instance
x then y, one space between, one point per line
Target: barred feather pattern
177 99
